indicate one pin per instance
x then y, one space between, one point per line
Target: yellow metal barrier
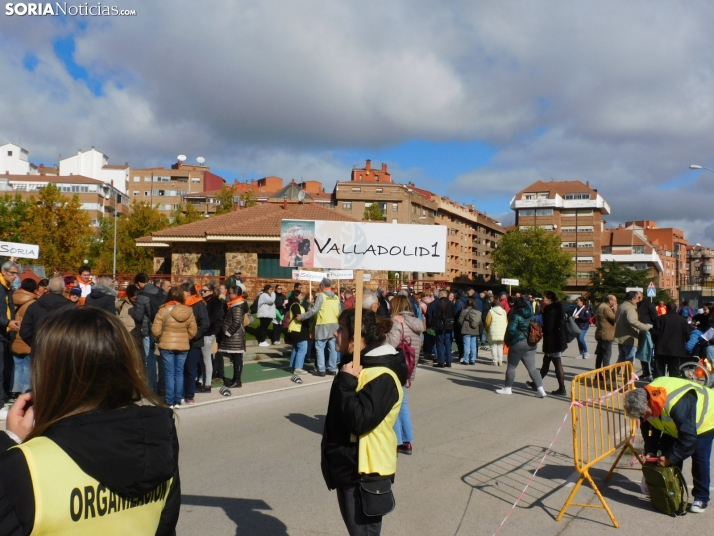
600 427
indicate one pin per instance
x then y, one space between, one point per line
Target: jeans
627 353
443 347
332 359
21 376
603 354
297 356
403 424
173 380
701 460
150 361
207 363
470 348
356 522
582 345
189 372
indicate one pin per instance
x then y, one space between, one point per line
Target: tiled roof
65 179
116 166
258 221
557 187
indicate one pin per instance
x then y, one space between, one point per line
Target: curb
229 398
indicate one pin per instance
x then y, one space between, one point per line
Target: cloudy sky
471 99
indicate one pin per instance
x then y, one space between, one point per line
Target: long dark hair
84 360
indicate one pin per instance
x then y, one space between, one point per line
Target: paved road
250 466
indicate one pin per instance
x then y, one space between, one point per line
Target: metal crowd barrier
600 427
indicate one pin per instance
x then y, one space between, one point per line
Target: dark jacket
554 334
200 312
130 450
37 313
280 299
443 309
142 309
233 333
684 416
383 309
647 312
304 333
584 316
670 334
102 297
216 308
355 413
5 302
519 322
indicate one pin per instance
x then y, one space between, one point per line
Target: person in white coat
266 313
496 324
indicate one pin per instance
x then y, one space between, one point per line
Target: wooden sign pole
358 317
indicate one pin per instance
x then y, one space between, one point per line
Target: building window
146 194
586 244
347 205
640 266
452 232
195 181
529 197
354 190
269 267
379 190
584 260
147 179
707 268
569 244
607 250
542 195
577 196
638 250
135 192
546 227
395 221
137 179
585 275
528 212
395 207
9 153
544 212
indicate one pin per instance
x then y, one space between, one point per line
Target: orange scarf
237 300
192 300
173 302
657 399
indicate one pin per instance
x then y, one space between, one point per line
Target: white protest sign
638 289
305 275
23 251
362 246
513 282
341 274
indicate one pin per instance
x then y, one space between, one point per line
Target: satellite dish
181 157
301 195
200 160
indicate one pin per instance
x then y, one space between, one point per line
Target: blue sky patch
64 50
30 61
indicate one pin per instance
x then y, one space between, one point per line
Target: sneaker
176 406
320 373
205 389
299 371
504 391
559 392
264 344
332 372
698 507
405 448
438 365
189 401
3 413
472 363
464 362
234 385
586 355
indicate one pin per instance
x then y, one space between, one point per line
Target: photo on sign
296 243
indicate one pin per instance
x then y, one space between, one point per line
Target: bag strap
166 318
685 491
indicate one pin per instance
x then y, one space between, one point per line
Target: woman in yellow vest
91 451
677 420
299 333
359 446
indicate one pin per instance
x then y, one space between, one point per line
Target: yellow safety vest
329 310
676 388
294 324
70 502
378 447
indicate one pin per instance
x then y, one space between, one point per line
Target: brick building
573 210
630 247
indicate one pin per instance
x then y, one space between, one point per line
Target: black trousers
218 365
263 330
356 522
6 366
603 354
667 363
237 360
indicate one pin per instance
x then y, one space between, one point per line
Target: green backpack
668 489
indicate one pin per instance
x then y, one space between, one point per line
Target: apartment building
95 164
573 210
672 249
700 266
97 198
629 246
167 187
14 160
263 189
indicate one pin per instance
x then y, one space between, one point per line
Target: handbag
377 497
571 327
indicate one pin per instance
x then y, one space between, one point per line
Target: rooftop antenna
181 158
200 160
301 196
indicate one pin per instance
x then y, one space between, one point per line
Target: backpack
471 320
154 304
535 333
409 354
254 306
686 312
668 489
444 322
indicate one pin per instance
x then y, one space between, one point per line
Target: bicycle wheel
695 372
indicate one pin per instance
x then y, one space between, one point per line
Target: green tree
224 199
535 257
613 278
60 227
101 250
185 213
248 198
373 213
14 212
142 220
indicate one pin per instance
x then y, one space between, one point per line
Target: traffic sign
651 290
513 282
